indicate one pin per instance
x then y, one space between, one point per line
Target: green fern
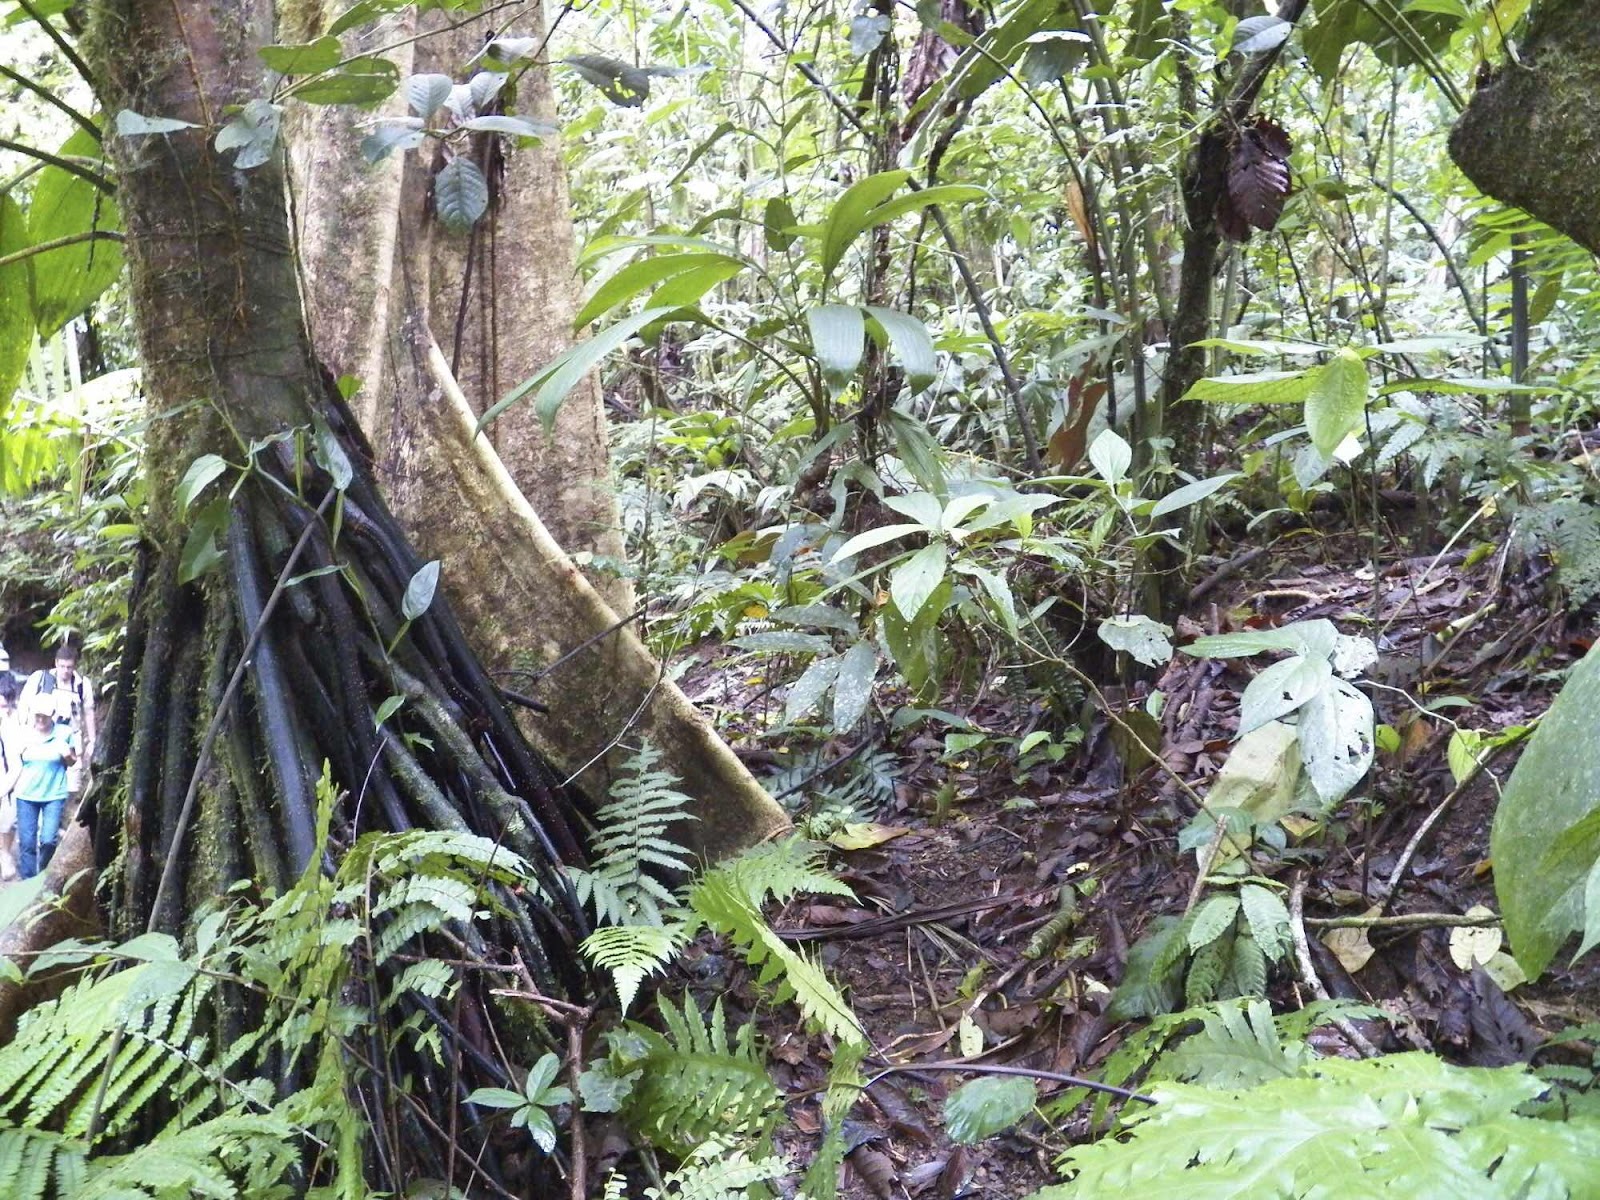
1405 1125
31 1160
715 1171
632 841
693 1083
631 953
728 900
845 1083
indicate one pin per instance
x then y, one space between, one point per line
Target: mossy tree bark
1531 134
229 370
437 325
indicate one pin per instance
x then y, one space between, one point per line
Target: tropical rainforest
745 598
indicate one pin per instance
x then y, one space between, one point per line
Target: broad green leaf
812 685
940 194
1540 880
911 343
919 506
686 289
493 1097
68 280
632 279
622 83
1460 386
1146 641
916 646
1462 754
361 12
1337 402
304 58
1260 777
852 690
1280 689
389 135
1591 913
253 134
987 1106
419 592
361 81
1336 739
837 331
998 590
1191 493
386 710
784 641
1111 456
1265 387
200 550
915 579
509 125
16 311
202 471
1262 348
426 94
1315 637
1255 35
460 194
132 124
875 537
777 224
552 385
848 217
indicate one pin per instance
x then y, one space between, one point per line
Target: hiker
73 697
37 781
9 732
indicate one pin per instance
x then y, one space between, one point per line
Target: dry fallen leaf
863 835
1475 943
1351 947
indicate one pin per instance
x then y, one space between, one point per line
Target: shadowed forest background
858 599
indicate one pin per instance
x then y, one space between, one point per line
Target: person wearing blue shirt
38 781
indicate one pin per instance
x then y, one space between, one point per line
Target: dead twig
1308 969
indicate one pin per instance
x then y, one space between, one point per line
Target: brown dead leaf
875 1170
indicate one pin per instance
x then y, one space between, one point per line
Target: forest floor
968 860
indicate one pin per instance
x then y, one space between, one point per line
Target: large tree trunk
506 520
1529 135
180 814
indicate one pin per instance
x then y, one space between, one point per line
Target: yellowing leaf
1471 944
1351 947
863 835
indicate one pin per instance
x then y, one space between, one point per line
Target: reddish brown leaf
1258 179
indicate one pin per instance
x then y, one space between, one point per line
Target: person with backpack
38 782
72 695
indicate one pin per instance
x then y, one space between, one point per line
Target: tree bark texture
178 815
1531 134
384 292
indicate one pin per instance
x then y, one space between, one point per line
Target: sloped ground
978 850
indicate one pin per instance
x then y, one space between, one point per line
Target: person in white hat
38 782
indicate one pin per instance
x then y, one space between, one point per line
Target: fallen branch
1308 969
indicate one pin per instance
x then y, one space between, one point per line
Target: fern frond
781 870
631 953
724 900
1403 1125
694 1084
631 840
31 1158
844 1089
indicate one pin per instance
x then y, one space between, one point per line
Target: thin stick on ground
1308 969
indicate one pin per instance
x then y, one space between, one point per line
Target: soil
979 846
